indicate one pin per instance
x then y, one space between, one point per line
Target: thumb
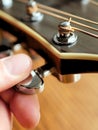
14 69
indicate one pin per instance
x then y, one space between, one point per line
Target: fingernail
17 64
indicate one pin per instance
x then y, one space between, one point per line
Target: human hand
26 108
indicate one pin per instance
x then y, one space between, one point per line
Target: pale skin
13 70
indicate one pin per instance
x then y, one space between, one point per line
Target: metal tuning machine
32 11
7 3
66 38
34 83
65 35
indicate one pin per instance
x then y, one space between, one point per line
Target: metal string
57 14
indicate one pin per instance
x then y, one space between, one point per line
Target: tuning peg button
34 83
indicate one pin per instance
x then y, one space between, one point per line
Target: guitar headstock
64 32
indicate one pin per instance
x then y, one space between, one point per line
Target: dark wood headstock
81 57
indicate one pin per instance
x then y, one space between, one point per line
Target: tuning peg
85 2
65 35
34 83
32 11
7 3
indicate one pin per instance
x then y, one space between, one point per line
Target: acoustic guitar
65 34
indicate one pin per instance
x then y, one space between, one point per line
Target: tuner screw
32 11
65 35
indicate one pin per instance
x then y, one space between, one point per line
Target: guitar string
91 1
94 2
66 13
63 12
61 17
64 18
86 32
78 29
46 8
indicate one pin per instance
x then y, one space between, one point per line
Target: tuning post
34 83
69 78
32 11
85 2
65 35
7 3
